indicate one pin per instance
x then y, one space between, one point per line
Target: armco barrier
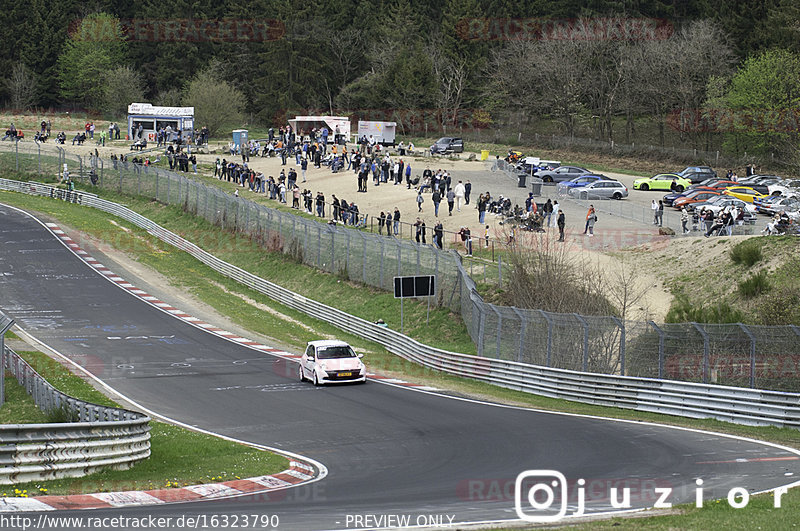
101 437
694 400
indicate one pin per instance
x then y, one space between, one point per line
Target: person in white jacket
460 192
556 208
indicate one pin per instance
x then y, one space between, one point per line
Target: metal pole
523 325
16 147
549 336
752 353
499 328
705 350
5 323
428 316
401 306
660 348
500 271
585 341
621 326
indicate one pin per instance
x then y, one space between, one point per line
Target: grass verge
178 457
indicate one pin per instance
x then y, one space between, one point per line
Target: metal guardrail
100 437
694 400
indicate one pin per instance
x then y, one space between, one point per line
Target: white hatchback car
329 361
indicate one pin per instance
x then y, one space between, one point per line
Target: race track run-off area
394 455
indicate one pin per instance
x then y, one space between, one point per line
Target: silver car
562 173
600 190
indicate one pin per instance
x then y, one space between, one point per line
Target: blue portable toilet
239 138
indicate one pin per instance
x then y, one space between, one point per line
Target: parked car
713 182
760 179
775 203
718 204
745 193
785 187
331 361
600 190
448 144
563 187
696 196
662 181
562 173
697 174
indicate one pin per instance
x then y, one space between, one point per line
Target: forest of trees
701 67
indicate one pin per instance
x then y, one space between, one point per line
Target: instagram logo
541 489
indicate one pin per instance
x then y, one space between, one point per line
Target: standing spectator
91 130
396 221
556 209
417 230
467 191
451 198
116 131
486 235
684 220
49 124
296 197
482 201
438 234
382 222
548 213
654 208
590 219
320 205
424 230
436 200
408 176
193 160
561 222
660 213
459 192
420 200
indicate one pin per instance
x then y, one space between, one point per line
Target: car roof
328 343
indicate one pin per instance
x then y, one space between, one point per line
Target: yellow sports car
745 193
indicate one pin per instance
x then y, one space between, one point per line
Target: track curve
388 450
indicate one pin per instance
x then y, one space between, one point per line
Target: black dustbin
536 186
522 177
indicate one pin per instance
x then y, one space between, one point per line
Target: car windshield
339 351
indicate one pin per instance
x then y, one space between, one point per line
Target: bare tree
22 89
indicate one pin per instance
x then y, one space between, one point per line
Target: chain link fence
728 354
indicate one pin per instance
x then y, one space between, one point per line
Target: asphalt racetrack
389 452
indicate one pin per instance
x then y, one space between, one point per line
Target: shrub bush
747 253
755 285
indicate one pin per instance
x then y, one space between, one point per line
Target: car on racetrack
562 173
584 180
331 361
697 174
695 196
745 193
662 181
606 189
